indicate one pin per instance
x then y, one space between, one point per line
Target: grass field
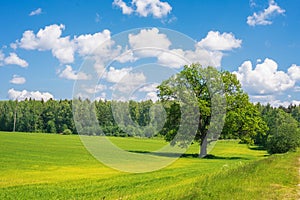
46 166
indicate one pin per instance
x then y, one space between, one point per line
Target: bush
67 132
286 139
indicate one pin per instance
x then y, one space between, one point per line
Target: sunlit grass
42 166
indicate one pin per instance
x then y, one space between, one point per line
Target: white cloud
149 88
17 80
36 12
96 89
126 56
174 58
99 48
152 7
273 100
205 57
277 103
125 9
50 38
22 95
151 91
13 46
69 73
144 8
148 42
263 17
13 59
264 79
215 41
125 80
208 52
116 75
294 72
90 43
151 96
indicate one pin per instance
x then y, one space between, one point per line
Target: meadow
52 166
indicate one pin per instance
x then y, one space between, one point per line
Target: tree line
276 129
56 116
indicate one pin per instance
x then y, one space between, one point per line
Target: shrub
67 132
286 139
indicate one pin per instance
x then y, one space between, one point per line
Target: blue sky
44 44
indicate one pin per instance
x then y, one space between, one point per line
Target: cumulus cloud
215 41
24 94
277 103
294 72
126 56
36 12
151 96
13 59
88 44
266 84
96 89
127 10
97 47
69 73
49 38
19 80
208 51
148 42
264 79
123 75
151 91
273 100
263 17
125 80
149 88
174 58
205 57
144 8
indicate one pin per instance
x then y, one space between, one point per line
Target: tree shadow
211 156
257 148
189 155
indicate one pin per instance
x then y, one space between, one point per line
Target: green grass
46 166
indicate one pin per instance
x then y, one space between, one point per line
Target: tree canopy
218 93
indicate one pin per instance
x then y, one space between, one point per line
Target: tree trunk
203 147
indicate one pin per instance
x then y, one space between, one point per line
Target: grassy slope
58 167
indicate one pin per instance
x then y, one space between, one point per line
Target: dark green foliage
36 116
217 94
286 136
57 117
283 134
